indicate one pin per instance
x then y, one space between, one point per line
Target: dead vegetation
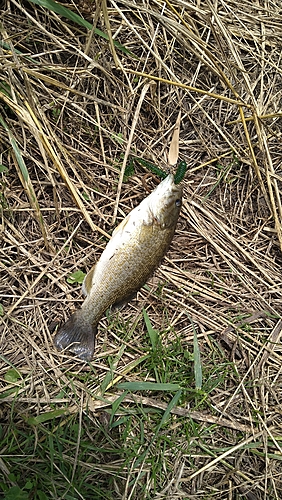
75 108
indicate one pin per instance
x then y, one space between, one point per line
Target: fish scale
136 248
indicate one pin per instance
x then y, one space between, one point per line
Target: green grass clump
59 453
46 465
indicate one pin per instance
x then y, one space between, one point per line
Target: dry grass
69 101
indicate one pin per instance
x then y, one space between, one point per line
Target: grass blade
26 181
72 16
149 386
197 358
153 334
45 417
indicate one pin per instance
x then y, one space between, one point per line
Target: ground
182 399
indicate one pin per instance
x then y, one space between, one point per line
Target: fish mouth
167 190
169 179
165 201
168 185
172 188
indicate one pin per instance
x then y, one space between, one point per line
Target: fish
137 246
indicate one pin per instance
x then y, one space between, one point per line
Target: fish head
165 202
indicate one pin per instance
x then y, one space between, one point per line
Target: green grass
61 454
64 12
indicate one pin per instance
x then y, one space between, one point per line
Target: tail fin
78 336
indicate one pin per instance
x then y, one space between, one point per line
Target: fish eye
178 202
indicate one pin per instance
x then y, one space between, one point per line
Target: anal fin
87 282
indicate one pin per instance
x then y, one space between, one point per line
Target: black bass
135 249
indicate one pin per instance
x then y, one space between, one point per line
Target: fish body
135 249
